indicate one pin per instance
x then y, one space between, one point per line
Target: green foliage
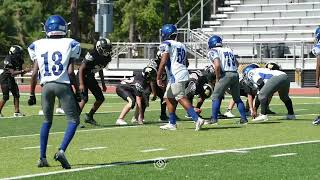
20 20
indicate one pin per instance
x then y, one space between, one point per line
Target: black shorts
124 91
90 83
7 86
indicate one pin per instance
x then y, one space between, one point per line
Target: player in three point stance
135 91
226 66
94 62
268 82
53 57
12 67
316 52
174 59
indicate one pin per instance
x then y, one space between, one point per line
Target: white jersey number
230 58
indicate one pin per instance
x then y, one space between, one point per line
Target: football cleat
163 117
270 112
40 113
243 121
199 124
229 114
121 122
43 163
316 122
290 117
88 119
59 156
18 114
212 122
169 126
59 111
260 118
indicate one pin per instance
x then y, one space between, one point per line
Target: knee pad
132 102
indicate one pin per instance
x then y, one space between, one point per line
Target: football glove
32 100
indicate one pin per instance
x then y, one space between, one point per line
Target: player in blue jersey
53 58
316 52
174 60
268 82
226 66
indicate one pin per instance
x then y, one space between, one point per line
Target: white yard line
32 147
225 151
165 158
93 148
152 150
281 155
79 131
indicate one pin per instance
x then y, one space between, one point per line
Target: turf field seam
163 158
282 155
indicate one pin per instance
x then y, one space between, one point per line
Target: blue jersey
176 66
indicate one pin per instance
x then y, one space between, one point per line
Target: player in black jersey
94 62
12 67
136 91
156 90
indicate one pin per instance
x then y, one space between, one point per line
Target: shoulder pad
88 57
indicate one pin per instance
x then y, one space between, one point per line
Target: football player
226 66
268 82
12 67
53 57
156 90
135 91
316 52
95 61
174 58
199 84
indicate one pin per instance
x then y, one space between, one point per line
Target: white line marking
32 147
300 109
92 148
153 150
281 155
226 151
78 131
152 160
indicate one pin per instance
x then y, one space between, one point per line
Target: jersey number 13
57 68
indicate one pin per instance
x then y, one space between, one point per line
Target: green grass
125 145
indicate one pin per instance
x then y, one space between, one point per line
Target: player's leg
125 92
95 89
59 110
47 103
71 109
284 96
171 106
228 113
235 92
5 96
16 96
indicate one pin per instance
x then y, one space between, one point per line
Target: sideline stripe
33 147
87 130
153 150
165 158
92 148
281 155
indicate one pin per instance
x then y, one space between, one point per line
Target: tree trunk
181 7
165 11
74 20
20 33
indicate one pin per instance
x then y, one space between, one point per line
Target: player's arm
164 58
217 69
14 73
81 76
33 83
318 72
153 90
253 111
104 88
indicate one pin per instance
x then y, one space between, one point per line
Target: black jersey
10 62
199 80
95 62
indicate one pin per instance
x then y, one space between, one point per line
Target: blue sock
215 108
172 118
242 109
68 135
44 134
192 113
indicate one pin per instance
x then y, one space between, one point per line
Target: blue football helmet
317 34
167 31
249 68
214 41
56 26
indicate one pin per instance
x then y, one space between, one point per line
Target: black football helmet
104 46
16 50
149 73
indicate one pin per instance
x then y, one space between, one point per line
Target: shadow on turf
119 163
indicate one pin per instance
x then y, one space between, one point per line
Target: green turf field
277 149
